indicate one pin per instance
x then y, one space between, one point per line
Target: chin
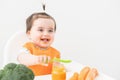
44 46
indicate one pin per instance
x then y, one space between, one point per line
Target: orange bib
40 69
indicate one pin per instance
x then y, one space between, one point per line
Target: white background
87 30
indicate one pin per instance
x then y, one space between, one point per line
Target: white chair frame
13 46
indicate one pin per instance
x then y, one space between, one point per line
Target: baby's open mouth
45 40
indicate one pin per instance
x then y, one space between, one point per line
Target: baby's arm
28 59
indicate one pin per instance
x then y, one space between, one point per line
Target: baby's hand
44 60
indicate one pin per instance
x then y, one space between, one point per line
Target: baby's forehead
46 28
40 18
41 22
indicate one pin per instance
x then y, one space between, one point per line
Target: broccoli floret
1 73
10 66
7 75
14 71
22 73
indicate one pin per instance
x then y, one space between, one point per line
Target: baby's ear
28 34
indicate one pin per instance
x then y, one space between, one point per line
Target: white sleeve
26 58
24 50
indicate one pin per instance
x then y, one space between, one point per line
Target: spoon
61 60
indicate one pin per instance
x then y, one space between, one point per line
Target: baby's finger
40 59
44 59
48 59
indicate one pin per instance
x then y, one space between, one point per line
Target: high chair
15 43
13 46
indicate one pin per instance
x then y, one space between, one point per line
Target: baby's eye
41 30
50 31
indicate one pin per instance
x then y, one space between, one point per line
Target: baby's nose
45 33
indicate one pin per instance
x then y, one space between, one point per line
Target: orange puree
58 72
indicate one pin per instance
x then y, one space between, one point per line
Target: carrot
92 74
83 73
75 76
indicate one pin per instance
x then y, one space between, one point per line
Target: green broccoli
13 71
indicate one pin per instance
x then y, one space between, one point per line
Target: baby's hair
43 5
34 16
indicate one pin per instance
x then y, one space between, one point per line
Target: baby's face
42 32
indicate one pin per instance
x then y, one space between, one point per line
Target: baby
37 54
